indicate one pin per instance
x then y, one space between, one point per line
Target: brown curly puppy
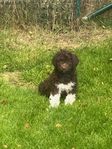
63 80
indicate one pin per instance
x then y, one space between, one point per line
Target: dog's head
64 61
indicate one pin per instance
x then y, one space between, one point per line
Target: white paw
54 104
54 100
70 99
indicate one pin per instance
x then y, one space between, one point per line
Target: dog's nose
64 65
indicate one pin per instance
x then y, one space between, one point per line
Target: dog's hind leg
44 89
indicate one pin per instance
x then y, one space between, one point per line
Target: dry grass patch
36 38
15 78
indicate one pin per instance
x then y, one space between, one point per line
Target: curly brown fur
64 72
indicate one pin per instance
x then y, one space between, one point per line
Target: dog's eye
61 62
61 59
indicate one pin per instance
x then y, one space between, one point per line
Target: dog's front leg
70 98
54 100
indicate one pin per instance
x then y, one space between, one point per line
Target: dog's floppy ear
75 60
54 60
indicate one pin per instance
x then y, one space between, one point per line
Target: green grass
27 122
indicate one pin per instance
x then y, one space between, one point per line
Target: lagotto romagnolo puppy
63 79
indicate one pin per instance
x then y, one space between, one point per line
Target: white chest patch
65 87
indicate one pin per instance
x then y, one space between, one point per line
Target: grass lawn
27 122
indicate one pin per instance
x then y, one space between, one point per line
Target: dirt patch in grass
15 78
